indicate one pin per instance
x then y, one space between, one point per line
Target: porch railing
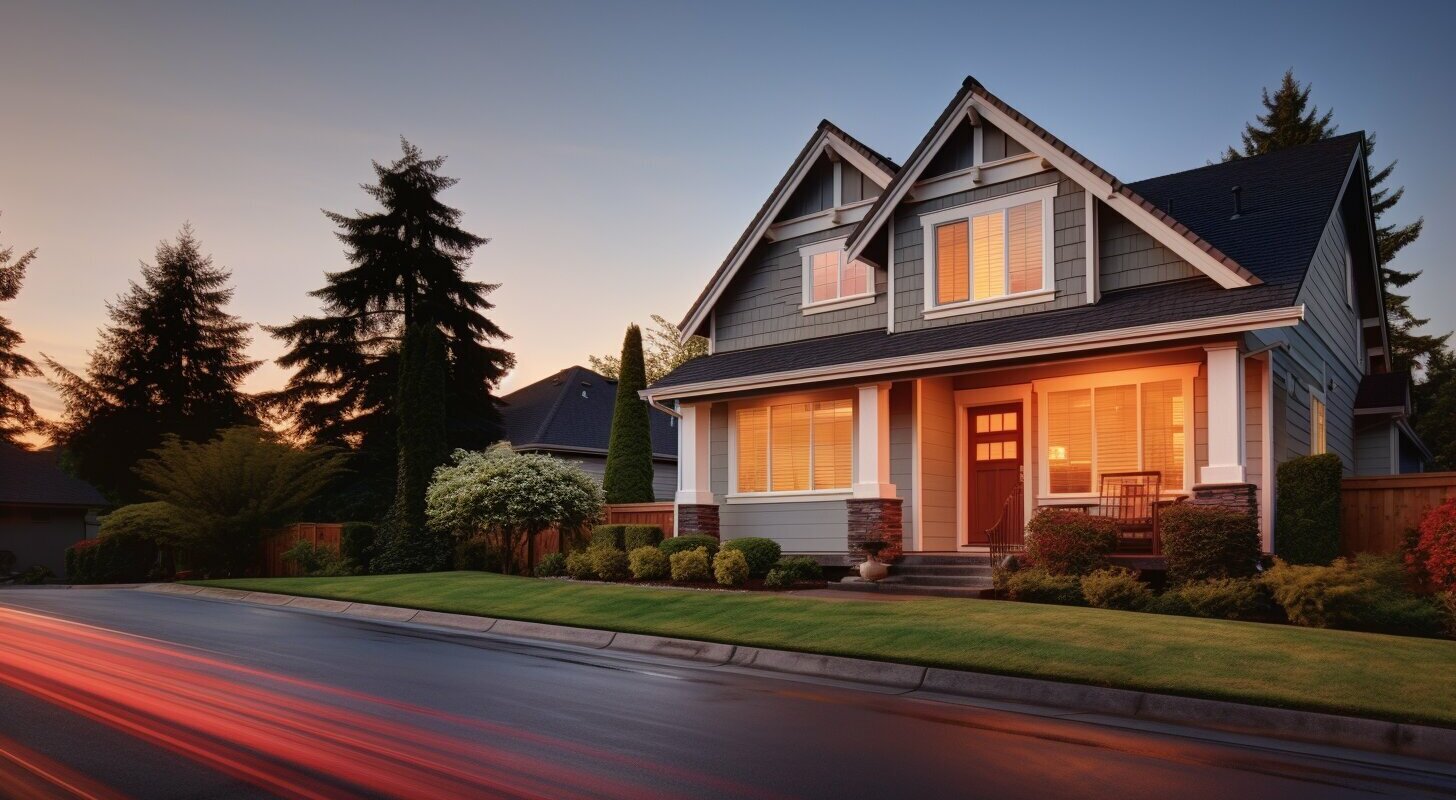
1008 535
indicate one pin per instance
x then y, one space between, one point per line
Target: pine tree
171 362
1434 400
628 476
17 417
420 408
407 266
1289 120
665 351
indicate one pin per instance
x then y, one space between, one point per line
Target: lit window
1317 426
795 447
990 250
828 277
1133 427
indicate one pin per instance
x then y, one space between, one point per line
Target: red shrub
1433 556
1069 542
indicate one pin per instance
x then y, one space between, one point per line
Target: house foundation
876 519
1231 496
697 518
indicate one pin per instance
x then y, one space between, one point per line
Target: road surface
118 693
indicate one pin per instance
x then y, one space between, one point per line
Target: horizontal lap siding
937 467
1069 256
804 527
718 451
1372 449
763 304
902 449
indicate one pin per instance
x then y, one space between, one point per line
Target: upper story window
990 254
831 281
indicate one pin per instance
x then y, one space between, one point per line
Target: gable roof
1173 234
32 477
827 133
571 411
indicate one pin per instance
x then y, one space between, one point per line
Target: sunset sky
614 151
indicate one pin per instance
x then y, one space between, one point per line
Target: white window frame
736 497
807 304
1184 372
1046 195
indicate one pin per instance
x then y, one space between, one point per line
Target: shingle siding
1130 257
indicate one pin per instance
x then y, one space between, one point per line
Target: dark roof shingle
34 478
572 410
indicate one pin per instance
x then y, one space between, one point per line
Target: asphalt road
116 693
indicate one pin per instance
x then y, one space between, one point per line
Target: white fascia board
1052 346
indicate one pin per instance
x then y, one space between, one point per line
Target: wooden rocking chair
1132 500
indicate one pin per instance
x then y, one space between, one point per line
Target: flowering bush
1432 558
1069 542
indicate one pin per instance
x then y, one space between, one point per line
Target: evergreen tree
1289 120
664 350
1435 408
628 476
16 415
170 362
420 408
407 267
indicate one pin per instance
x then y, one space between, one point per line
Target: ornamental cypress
628 477
410 546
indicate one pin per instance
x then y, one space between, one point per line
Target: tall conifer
16 414
628 475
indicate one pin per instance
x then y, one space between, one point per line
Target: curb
1309 727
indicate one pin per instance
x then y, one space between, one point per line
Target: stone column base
876 519
1232 496
697 518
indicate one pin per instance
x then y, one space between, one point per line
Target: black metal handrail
1008 535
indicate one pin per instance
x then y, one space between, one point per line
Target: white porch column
1225 415
694 451
872 442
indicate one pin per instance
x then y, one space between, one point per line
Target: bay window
794 447
832 281
990 254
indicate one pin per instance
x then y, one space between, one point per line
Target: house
42 509
569 415
919 352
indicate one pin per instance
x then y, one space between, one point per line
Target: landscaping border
1397 738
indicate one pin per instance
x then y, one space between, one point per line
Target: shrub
692 541
35 575
1366 593
730 568
648 564
1432 554
7 561
1219 598
1036 585
761 553
1206 542
581 566
1116 588
551 565
636 536
315 560
1446 602
609 536
690 566
1307 525
1069 542
356 544
801 568
609 563
114 558
479 553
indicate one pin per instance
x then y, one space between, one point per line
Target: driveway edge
1310 727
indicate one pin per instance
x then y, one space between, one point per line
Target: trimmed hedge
635 536
609 536
692 541
1220 598
609 563
761 553
1036 585
580 565
1064 542
1207 542
730 568
691 566
648 564
1307 521
1116 588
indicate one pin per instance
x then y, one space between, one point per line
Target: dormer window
831 281
991 254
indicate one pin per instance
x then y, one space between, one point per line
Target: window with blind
1131 427
1317 444
996 252
795 447
828 276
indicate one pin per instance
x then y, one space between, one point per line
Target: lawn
1361 674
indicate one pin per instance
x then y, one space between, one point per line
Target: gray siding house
914 352
569 415
43 510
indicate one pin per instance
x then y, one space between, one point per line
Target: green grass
1369 675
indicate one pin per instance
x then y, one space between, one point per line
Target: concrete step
937 580
943 560
884 587
942 570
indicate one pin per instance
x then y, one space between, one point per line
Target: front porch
958 463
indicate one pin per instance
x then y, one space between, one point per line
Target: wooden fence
1376 511
324 534
659 514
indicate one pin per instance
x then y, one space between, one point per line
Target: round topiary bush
730 568
648 564
609 563
761 553
1066 542
1206 542
691 566
691 541
1432 556
1116 588
581 565
551 565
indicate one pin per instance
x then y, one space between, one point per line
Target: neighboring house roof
571 411
1384 391
1288 197
30 477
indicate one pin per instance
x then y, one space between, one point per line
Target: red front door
995 452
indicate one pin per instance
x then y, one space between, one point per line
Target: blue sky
614 151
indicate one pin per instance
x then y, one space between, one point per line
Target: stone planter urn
872 568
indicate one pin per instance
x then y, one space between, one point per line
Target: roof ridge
1281 151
